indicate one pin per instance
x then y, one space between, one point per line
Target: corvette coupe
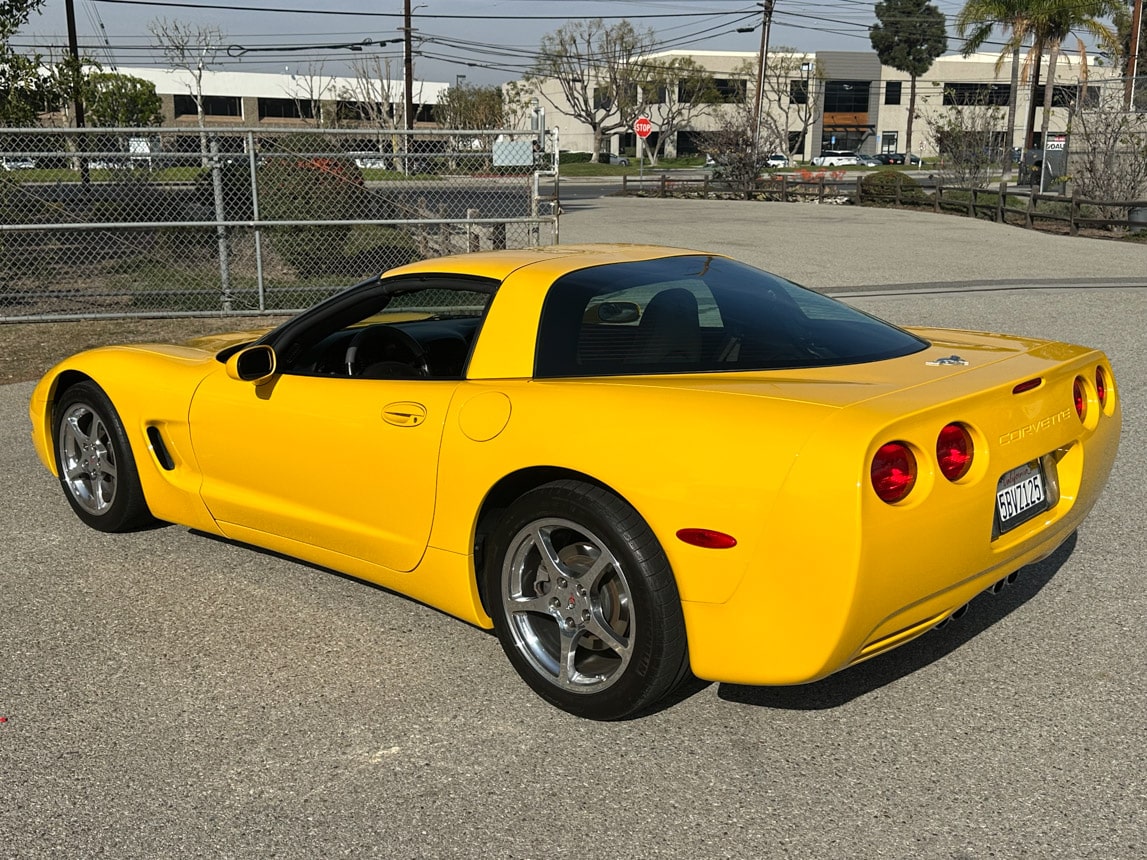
633 463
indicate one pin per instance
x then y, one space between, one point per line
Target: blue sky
486 42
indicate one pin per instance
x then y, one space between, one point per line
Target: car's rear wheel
94 460
584 602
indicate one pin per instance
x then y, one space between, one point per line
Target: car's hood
960 362
213 343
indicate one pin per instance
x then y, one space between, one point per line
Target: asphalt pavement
166 694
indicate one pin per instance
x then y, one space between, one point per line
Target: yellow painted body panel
385 479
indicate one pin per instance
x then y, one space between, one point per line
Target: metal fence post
220 226
253 165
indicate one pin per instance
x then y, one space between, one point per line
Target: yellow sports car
632 462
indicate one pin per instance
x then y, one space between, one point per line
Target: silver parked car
836 158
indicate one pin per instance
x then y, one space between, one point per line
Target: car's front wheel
584 602
94 461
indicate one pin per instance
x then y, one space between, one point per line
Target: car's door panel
347 464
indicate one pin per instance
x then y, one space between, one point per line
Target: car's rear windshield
695 314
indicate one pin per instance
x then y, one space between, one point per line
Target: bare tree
312 89
193 49
370 100
1109 152
675 92
598 69
732 144
791 81
964 134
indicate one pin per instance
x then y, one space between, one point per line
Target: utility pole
766 22
1133 54
76 80
408 66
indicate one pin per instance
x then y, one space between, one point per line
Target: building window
888 141
727 91
798 92
976 94
1074 96
892 92
363 111
846 96
286 109
184 105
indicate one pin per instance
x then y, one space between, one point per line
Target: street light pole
1132 55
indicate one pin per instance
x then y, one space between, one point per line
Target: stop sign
643 127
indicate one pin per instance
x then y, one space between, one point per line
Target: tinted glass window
696 314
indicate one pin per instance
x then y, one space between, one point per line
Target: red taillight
707 538
1101 385
893 472
1080 395
954 451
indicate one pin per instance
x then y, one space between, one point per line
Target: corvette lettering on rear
1035 427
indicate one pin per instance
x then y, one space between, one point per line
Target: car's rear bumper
827 595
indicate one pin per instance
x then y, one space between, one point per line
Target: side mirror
254 364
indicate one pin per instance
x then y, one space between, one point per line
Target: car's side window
424 330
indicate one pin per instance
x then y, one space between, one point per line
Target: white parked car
777 160
836 158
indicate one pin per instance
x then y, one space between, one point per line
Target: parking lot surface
166 694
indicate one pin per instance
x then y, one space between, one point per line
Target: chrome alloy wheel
87 459
569 605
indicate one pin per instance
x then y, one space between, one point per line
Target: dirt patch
27 350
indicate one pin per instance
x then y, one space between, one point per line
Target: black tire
95 463
584 602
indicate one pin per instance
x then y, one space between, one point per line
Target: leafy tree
24 93
975 23
471 107
599 71
909 36
14 14
116 100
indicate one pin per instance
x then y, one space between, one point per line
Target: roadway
167 694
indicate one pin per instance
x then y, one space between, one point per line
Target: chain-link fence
163 222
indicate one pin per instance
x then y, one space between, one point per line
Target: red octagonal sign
643 127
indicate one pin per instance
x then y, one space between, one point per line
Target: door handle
404 414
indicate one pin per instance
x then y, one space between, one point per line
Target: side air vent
161 453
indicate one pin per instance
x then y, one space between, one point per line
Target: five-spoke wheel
94 460
584 602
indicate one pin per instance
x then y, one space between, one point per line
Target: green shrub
574 157
302 188
882 185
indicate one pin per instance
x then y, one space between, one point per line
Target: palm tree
1052 21
975 23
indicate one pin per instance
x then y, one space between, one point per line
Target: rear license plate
1020 496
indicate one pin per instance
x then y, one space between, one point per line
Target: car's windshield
697 313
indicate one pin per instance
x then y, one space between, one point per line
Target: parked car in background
610 158
869 161
369 161
899 158
17 163
777 160
836 158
